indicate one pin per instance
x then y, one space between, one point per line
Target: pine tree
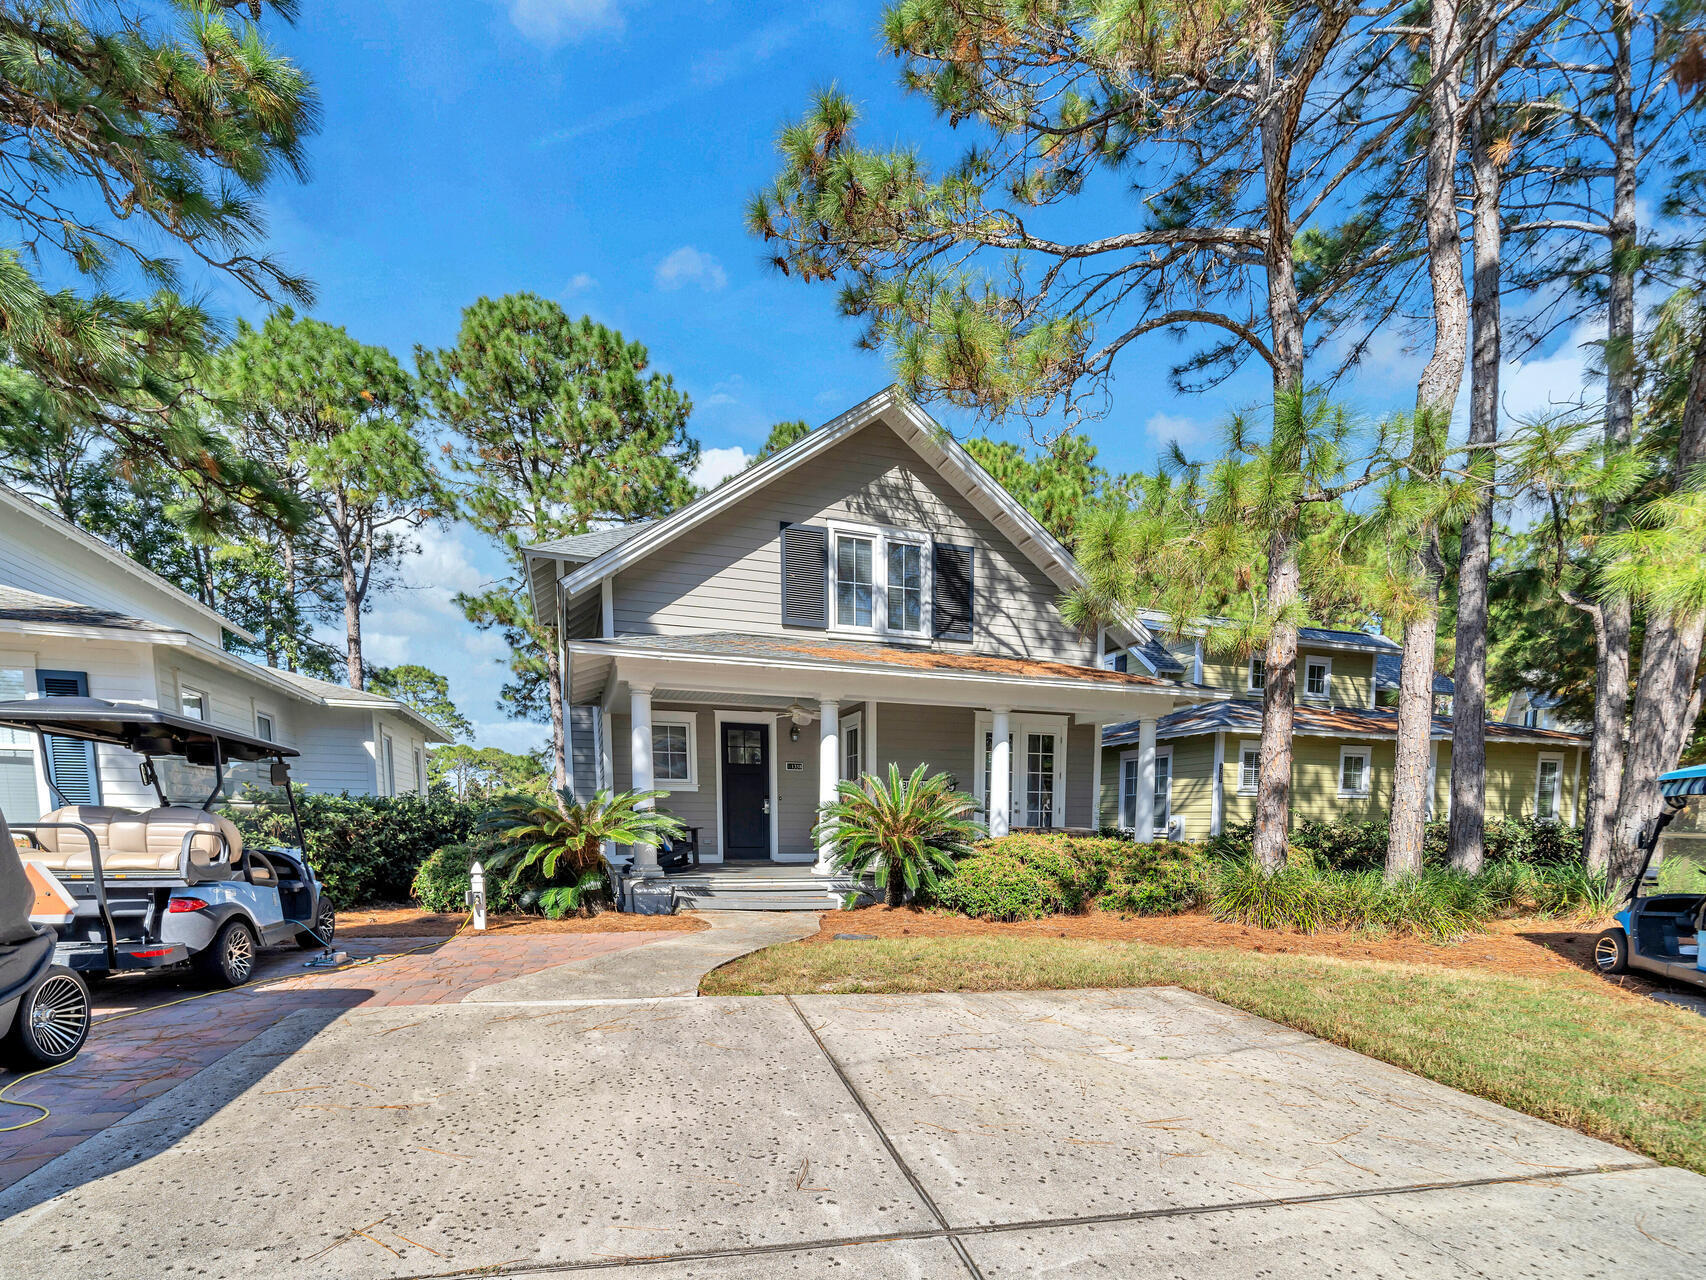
556 425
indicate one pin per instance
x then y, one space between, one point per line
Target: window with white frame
390 753
852 748
1258 673
1549 788
855 586
1129 775
1318 678
192 702
420 772
1353 771
881 580
1249 768
674 752
1163 807
263 726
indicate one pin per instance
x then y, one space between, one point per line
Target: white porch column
828 774
1000 772
640 746
1143 818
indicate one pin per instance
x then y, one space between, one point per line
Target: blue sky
600 152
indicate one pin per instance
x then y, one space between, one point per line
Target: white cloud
519 736
580 282
1545 386
688 265
552 22
717 465
1191 434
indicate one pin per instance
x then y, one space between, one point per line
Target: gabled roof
931 441
1235 715
582 547
22 505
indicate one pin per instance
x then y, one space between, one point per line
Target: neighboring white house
78 617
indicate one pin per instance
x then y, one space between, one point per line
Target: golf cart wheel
52 1021
1611 952
325 925
230 961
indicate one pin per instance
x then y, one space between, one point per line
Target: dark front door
746 791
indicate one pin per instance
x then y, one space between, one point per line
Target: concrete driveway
1116 1133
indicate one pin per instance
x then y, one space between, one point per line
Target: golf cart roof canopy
143 729
1684 782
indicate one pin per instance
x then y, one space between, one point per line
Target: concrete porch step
755 889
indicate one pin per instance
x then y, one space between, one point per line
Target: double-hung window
881 581
1318 678
192 702
1353 771
855 587
1249 768
1258 674
674 767
1548 788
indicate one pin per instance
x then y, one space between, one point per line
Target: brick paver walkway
159 1044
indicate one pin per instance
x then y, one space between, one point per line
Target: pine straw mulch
410 922
1534 947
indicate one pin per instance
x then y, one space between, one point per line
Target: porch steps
711 890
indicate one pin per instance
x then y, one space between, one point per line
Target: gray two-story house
869 596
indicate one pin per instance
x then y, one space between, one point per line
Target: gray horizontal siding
726 574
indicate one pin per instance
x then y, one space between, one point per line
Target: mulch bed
1533 947
408 922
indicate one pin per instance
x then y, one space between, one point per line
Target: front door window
746 791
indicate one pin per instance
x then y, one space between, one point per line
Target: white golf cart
171 885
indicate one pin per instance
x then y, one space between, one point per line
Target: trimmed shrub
987 885
367 849
1157 880
441 884
1361 846
1025 877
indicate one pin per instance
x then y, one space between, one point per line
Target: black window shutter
953 591
805 575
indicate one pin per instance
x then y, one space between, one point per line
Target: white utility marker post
1000 772
1144 816
477 895
828 774
640 745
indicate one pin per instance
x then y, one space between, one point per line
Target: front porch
747 742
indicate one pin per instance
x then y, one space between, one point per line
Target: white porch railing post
1000 796
640 744
1143 819
828 774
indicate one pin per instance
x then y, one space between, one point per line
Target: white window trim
854 721
1245 747
1554 757
420 772
691 722
881 537
262 713
1165 753
1250 685
1367 757
184 690
387 764
1318 660
1128 818
750 716
1019 726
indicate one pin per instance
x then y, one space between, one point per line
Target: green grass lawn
1568 1047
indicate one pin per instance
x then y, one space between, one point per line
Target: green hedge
1361 846
1026 877
442 882
367 849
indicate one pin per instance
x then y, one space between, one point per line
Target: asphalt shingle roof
1238 715
18 605
591 545
1388 665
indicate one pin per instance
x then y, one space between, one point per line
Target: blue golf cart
1661 928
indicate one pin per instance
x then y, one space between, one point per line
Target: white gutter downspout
1217 797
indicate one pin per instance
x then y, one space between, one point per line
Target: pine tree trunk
1284 584
554 694
1614 620
1468 844
1436 394
1414 747
1670 660
352 626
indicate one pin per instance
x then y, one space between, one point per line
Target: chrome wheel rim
59 1016
1605 953
327 923
239 953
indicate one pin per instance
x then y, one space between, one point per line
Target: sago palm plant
564 838
903 833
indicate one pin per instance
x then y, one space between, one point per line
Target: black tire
1611 952
230 961
325 924
52 1021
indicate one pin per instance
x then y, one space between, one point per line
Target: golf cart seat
149 841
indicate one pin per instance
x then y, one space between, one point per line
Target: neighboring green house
1203 775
